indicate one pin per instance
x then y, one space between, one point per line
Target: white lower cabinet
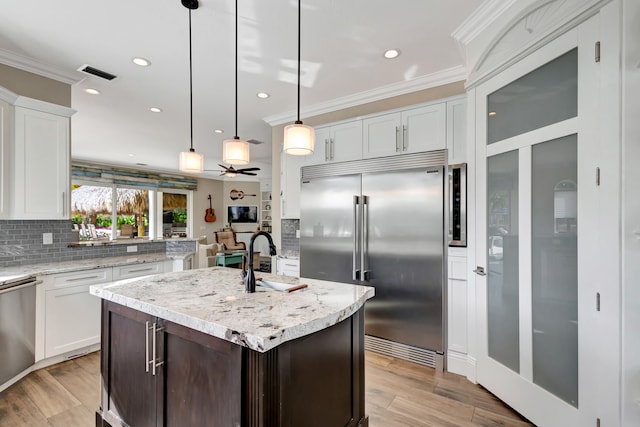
288 267
72 315
457 320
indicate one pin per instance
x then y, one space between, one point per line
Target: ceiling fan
230 171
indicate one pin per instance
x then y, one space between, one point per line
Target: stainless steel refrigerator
380 222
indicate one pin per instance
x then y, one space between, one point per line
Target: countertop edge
245 339
46 269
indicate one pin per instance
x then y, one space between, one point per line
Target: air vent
88 69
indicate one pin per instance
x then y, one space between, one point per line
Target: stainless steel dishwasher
17 326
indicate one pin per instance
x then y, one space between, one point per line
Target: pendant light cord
236 135
299 14
191 83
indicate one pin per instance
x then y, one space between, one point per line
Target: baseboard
457 363
462 364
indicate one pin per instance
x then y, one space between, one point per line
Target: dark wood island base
158 373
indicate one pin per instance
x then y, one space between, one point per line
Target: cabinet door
6 119
382 135
129 390
72 315
205 372
321 148
290 183
72 320
346 142
425 128
41 178
456 131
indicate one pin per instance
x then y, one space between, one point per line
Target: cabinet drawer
289 267
84 277
137 270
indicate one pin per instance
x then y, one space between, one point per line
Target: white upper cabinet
457 131
35 157
41 175
410 131
337 143
290 185
6 120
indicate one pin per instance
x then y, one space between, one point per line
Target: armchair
228 239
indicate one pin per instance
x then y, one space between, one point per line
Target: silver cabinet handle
154 356
326 150
64 204
480 271
141 269
333 144
77 279
146 346
364 251
397 139
356 239
405 140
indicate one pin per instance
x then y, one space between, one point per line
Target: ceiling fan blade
225 167
247 173
255 141
249 169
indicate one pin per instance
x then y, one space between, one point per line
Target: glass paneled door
535 334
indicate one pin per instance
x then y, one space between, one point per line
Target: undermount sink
278 286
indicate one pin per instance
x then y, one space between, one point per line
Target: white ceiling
342 46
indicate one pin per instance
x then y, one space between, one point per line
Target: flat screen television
242 213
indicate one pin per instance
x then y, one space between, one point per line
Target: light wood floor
399 394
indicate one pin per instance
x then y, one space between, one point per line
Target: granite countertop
88 264
213 301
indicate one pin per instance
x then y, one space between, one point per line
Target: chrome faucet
248 274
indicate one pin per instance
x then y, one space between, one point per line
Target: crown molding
8 96
27 64
449 75
480 20
46 107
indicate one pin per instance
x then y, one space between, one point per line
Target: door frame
596 388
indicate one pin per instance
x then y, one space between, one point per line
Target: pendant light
236 151
190 161
299 139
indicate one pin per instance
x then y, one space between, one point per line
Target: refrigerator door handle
356 237
364 250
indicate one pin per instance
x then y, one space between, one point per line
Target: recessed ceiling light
141 62
131 155
392 53
92 91
218 131
492 113
155 110
262 95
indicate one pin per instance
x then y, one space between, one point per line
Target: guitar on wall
210 214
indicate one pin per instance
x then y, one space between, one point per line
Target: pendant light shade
235 151
299 139
190 161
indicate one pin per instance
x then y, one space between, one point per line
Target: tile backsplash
21 244
290 243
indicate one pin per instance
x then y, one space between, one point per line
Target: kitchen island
193 349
